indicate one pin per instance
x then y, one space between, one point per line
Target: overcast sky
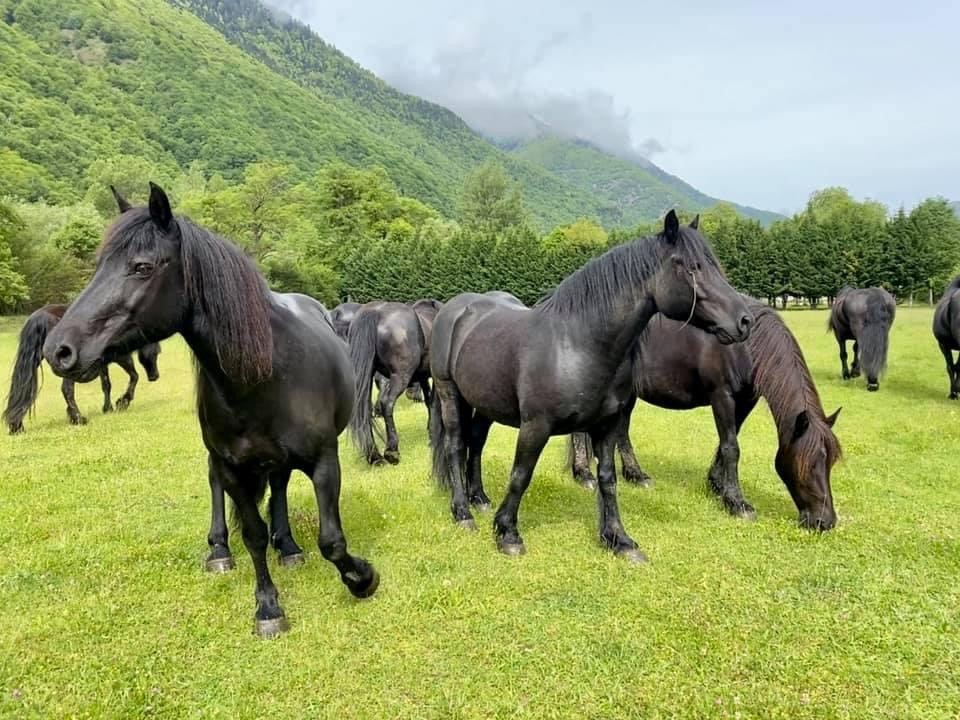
748 101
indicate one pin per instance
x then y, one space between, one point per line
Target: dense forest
342 187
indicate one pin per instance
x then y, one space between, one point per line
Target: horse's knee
730 453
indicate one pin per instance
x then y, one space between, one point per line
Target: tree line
350 233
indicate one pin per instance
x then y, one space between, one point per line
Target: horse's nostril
745 321
66 356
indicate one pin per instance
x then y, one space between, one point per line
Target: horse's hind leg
398 383
243 490
220 558
479 430
106 387
952 371
382 383
632 472
581 455
724 476
843 357
855 368
128 367
531 440
281 536
73 412
612 533
356 573
455 419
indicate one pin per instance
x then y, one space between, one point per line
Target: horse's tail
442 472
362 342
23 384
147 355
875 340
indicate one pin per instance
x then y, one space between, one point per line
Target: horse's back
457 319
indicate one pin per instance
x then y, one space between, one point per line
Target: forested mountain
637 188
229 82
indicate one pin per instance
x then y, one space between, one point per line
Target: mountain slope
638 189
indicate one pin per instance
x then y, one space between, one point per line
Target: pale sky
755 102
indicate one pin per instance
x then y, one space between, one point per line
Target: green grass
108 613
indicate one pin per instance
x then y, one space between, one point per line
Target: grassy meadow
108 613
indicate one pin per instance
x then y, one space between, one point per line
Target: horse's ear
800 425
696 222
671 226
833 418
121 200
160 211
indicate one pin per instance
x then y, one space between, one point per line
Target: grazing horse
946 329
864 316
564 366
24 386
385 337
274 383
681 368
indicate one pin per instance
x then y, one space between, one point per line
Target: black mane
222 284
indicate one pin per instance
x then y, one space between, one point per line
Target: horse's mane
781 376
223 286
601 282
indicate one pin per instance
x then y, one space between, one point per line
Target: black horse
274 384
681 368
864 316
24 386
946 329
385 338
564 366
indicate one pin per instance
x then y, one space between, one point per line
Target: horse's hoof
642 480
107 409
951 396
873 387
513 549
482 507
220 564
122 404
272 627
377 461
468 524
153 377
748 514
78 420
392 457
293 559
16 429
362 591
589 484
632 555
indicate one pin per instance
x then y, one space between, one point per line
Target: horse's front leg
581 455
724 476
69 395
127 364
632 472
220 558
531 440
612 533
106 387
281 536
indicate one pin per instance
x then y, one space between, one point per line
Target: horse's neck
615 335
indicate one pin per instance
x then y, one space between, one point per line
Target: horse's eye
142 269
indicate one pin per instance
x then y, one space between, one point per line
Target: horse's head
136 296
691 287
804 462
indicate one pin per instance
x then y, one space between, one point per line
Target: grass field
108 613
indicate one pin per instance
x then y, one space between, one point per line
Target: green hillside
637 191
84 79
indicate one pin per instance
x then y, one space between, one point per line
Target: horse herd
279 377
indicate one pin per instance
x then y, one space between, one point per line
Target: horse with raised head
385 338
946 329
23 382
863 315
564 366
274 383
682 368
